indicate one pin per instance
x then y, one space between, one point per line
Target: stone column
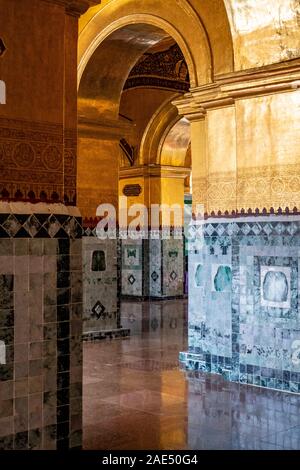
196 114
40 228
243 276
213 146
98 168
154 267
244 150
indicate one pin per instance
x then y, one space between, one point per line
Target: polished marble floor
135 396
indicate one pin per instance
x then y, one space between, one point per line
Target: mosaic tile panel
155 272
173 267
244 301
132 268
40 331
100 284
153 268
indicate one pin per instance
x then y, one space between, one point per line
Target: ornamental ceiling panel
161 68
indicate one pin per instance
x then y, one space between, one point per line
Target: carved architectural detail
31 159
52 157
164 69
132 190
70 166
277 186
156 82
23 155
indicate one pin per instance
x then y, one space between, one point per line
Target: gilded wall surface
264 31
222 160
138 105
268 155
98 170
38 122
253 154
245 154
175 145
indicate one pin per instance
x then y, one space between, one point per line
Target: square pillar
41 327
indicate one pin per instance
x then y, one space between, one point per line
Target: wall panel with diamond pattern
40 329
153 267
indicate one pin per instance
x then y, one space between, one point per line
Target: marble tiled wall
40 330
100 284
244 317
153 268
134 254
173 267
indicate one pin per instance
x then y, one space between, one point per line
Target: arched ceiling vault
162 66
180 21
104 77
117 33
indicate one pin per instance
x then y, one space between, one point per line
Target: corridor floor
135 396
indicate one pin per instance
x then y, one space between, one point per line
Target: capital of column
238 85
190 108
194 105
148 171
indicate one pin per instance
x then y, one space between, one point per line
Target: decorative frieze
38 161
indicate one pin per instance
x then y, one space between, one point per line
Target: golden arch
182 23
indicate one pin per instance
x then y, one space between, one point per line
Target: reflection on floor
135 397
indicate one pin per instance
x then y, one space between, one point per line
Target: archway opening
129 76
124 101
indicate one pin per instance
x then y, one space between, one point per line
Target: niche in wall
98 261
